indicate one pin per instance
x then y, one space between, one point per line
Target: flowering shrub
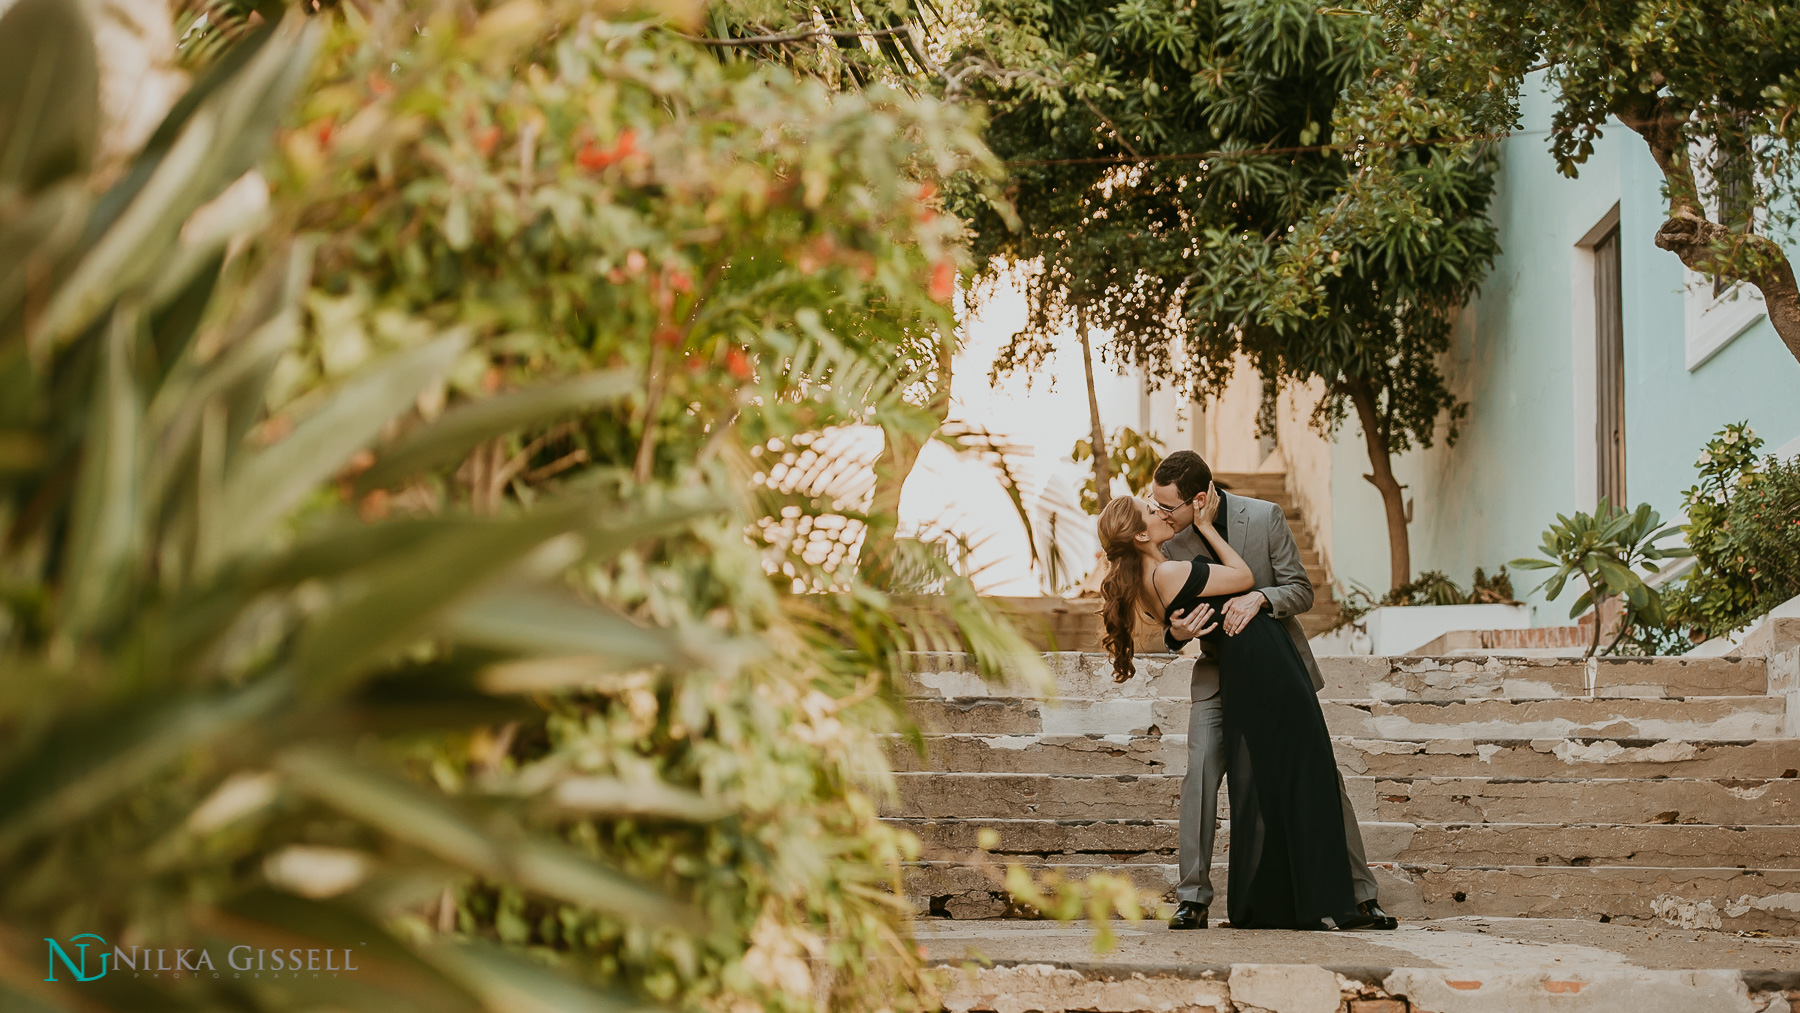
1744 530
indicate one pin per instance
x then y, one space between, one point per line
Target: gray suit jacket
1258 530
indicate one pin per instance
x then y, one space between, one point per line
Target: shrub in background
1744 532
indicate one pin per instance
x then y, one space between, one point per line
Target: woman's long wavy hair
1120 523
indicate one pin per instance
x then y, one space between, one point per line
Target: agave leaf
443 694
493 847
396 602
263 488
106 526
539 620
612 796
450 437
223 138
514 982
388 974
89 758
49 94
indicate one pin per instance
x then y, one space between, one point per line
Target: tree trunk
899 453
1381 476
1102 463
1705 245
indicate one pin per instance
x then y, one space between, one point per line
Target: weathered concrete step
1765 900
1730 717
1383 800
1036 796
1043 754
1454 965
1560 757
1439 844
1764 759
1509 800
1393 679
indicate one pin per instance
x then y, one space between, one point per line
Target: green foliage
1605 549
1133 456
212 670
1744 532
1191 177
391 585
1433 587
1710 85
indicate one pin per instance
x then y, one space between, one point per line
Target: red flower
943 281
325 129
738 363
668 336
487 139
593 157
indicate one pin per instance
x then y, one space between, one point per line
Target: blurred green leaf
268 483
49 94
450 437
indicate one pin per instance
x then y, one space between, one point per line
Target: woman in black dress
1289 863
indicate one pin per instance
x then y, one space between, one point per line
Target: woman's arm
1230 575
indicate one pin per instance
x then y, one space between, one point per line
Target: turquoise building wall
1518 463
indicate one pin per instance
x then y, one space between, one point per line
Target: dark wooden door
1609 371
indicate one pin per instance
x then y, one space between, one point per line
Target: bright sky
1047 412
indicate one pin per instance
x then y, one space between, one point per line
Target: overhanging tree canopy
1185 176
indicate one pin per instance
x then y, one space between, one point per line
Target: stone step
1740 717
1733 717
1561 758
1452 965
1362 678
1766 900
1434 844
1387 800
1766 759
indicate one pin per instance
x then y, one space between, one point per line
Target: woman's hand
1195 622
1204 517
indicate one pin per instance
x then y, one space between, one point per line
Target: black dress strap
1190 589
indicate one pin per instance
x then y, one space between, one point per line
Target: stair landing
1454 965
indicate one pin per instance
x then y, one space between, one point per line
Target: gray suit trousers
1200 800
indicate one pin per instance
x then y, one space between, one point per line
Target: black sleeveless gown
1290 868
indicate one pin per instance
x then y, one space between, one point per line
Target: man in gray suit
1259 533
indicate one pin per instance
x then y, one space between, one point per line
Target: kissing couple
1225 569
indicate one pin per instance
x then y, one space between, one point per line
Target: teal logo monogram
77 968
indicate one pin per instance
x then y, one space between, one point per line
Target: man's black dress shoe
1190 915
1369 915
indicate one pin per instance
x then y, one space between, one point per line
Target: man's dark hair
1186 471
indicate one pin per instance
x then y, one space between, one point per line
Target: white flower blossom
1705 459
1731 436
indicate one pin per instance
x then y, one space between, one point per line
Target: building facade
1592 362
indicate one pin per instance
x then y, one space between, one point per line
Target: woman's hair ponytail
1119 525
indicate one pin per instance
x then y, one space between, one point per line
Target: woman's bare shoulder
1170 575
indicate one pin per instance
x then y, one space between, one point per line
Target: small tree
1605 549
1185 176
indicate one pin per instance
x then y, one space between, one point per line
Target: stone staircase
1272 486
1659 792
